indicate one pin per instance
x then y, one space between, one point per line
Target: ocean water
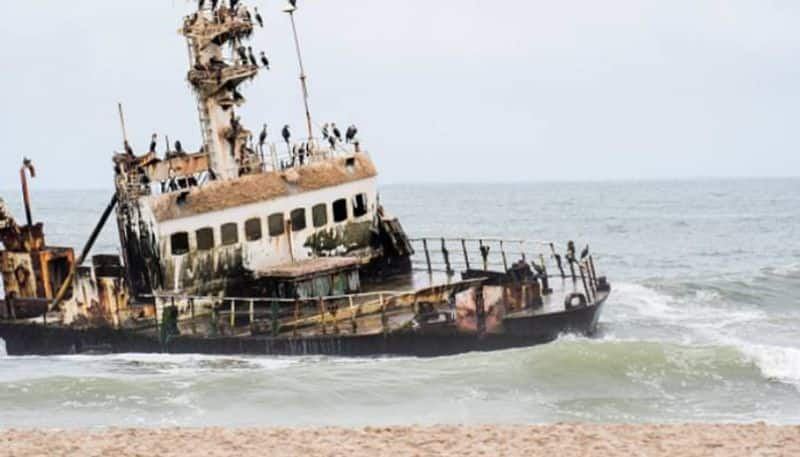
703 324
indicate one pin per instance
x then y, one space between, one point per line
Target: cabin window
252 229
340 210
230 234
275 223
359 205
298 217
205 239
180 243
319 214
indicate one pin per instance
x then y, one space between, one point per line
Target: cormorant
153 143
262 138
287 135
242 53
326 131
214 4
233 4
128 149
332 142
351 133
585 252
200 4
179 148
259 19
336 132
252 57
264 60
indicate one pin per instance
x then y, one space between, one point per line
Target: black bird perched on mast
264 60
253 60
128 149
287 135
153 143
242 53
214 4
259 19
351 133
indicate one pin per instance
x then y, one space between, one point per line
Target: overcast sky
448 90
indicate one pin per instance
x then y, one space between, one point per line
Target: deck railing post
503 252
233 315
322 316
296 316
275 325
585 285
252 312
446 255
484 255
480 311
353 315
427 255
593 273
466 256
194 315
384 317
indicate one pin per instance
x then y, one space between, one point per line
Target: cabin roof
224 194
310 266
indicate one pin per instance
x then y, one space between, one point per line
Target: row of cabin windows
229 233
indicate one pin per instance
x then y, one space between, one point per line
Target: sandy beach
562 440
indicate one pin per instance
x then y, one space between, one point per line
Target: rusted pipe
27 165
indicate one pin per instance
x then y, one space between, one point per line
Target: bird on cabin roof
262 138
178 148
287 135
326 131
336 132
264 60
153 143
351 133
252 57
259 19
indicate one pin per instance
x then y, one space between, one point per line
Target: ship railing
283 156
275 316
453 255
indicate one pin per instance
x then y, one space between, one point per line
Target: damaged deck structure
258 248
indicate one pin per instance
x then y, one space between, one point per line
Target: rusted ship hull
22 340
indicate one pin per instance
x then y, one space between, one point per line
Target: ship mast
215 79
303 83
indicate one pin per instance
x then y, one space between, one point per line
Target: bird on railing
259 19
585 252
336 132
286 133
262 138
351 133
326 131
153 143
264 60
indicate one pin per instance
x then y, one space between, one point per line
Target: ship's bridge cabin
231 236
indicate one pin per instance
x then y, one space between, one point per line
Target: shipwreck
250 247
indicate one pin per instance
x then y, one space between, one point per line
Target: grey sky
448 90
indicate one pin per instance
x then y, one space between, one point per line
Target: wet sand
560 440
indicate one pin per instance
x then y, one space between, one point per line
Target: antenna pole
302 74
122 122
